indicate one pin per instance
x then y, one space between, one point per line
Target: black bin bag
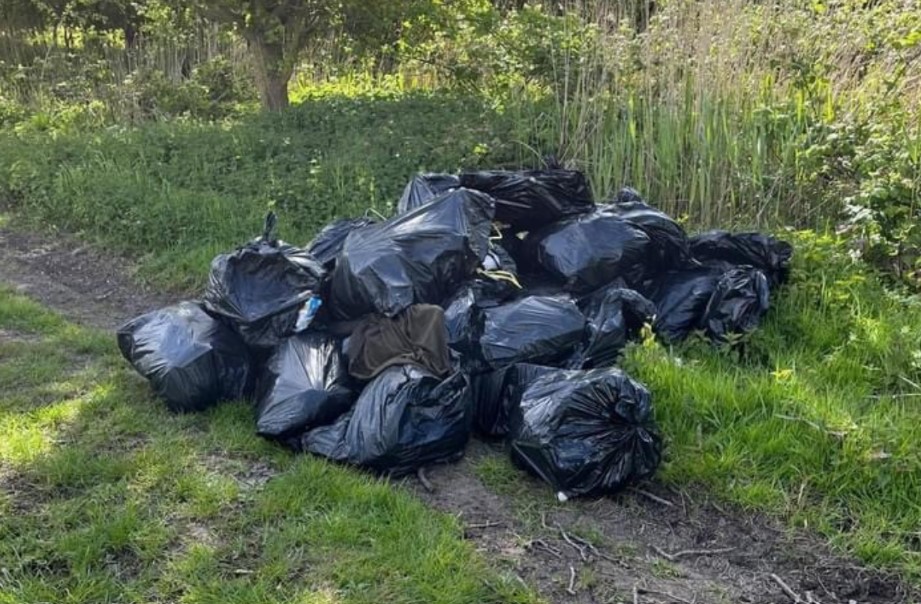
585 432
614 316
327 441
463 316
325 247
404 419
423 188
534 329
740 300
462 321
669 245
722 249
490 412
716 302
590 251
260 287
418 257
191 360
528 199
304 384
495 391
681 299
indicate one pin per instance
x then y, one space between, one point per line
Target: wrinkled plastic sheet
260 287
463 324
590 251
614 317
303 385
739 302
191 360
723 249
421 256
327 245
669 246
404 419
425 187
495 391
529 199
585 432
534 329
716 302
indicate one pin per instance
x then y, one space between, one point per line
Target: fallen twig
483 525
652 497
572 581
787 590
670 596
810 599
691 552
535 543
636 595
811 423
591 547
420 474
574 545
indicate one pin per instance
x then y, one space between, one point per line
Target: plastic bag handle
373 212
268 231
552 163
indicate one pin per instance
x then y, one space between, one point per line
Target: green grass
819 419
175 194
107 497
816 419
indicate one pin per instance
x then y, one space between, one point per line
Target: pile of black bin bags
495 302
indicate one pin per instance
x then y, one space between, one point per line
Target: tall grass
719 110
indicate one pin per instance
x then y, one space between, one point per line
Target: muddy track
659 546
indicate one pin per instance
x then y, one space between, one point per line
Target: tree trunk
275 94
271 73
130 36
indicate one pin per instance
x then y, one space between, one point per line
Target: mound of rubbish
494 302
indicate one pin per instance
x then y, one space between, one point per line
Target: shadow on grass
108 497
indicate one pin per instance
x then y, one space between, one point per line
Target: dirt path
84 285
661 546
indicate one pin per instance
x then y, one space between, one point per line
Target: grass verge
814 418
175 194
105 496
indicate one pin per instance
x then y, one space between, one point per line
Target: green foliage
177 193
883 201
111 498
213 91
815 417
476 45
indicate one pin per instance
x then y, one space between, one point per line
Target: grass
818 420
814 419
108 497
175 194
776 114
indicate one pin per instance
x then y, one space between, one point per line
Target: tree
276 31
21 15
